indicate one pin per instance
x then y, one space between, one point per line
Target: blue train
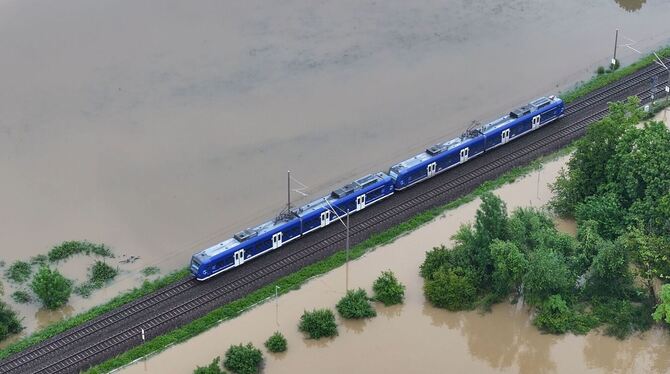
355 196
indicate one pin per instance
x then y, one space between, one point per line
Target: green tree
547 275
452 289
490 221
276 343
510 265
605 211
554 316
243 359
355 304
212 368
529 227
610 275
388 289
51 287
588 165
318 323
9 323
651 255
662 312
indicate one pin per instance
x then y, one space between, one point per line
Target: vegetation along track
182 301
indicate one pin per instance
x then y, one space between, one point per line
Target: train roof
429 153
521 111
339 193
261 229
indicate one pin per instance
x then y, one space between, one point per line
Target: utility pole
289 191
616 40
347 249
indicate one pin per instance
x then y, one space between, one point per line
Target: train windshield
195 264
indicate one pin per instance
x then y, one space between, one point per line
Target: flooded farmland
416 337
161 129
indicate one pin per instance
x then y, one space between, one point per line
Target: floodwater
415 337
160 128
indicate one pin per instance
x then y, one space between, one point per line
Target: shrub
213 368
71 248
51 287
662 312
600 70
9 323
39 260
451 289
150 270
355 304
19 271
318 323
84 290
276 343
102 273
622 317
243 359
554 316
388 289
21 297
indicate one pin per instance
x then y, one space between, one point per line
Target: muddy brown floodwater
415 337
160 128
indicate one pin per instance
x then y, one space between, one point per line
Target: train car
252 242
437 159
522 120
244 246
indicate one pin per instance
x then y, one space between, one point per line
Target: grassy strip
603 80
61 326
569 96
295 280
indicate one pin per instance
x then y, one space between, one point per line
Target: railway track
174 305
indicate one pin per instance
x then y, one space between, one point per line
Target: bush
39 260
213 368
388 289
600 70
318 323
622 317
276 343
554 316
21 297
71 248
51 287
19 271
451 289
355 304
102 273
243 359
662 312
150 270
9 323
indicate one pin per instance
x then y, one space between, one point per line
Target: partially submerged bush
388 289
51 287
243 359
102 273
19 271
554 316
355 304
71 248
9 323
452 289
276 343
150 270
318 323
21 297
213 368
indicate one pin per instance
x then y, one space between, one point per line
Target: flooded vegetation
411 337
